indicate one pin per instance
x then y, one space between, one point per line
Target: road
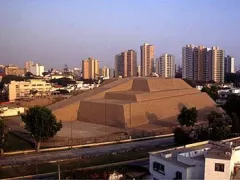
32 158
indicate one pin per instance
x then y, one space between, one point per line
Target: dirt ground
40 101
76 129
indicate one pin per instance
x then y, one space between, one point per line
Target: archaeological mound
131 102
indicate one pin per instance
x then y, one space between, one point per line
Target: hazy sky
58 32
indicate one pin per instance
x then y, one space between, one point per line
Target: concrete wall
210 172
67 113
102 113
11 111
170 169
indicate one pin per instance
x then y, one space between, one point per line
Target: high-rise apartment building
105 72
229 64
90 68
126 64
28 65
216 65
200 63
165 65
187 62
147 59
37 69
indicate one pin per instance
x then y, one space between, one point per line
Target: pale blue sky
58 32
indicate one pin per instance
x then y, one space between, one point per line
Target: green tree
212 92
187 117
232 109
235 123
219 126
41 124
3 135
181 137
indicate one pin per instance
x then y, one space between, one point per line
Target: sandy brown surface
40 101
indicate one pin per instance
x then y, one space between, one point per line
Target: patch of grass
14 143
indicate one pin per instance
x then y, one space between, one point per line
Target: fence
134 134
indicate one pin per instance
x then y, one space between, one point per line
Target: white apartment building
105 72
37 69
165 66
24 89
229 64
206 160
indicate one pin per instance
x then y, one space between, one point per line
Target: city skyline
61 33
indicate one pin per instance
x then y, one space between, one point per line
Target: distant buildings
105 72
147 59
37 69
25 89
216 65
1 69
229 64
165 66
202 64
90 68
187 62
204 160
126 64
76 71
13 70
28 65
139 70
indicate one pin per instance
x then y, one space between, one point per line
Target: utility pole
105 109
59 172
130 112
71 132
36 165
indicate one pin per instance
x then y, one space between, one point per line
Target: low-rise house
206 160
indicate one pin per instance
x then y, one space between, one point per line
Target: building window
219 167
178 175
159 167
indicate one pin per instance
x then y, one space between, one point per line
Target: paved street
82 152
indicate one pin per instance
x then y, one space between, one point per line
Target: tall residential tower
147 59
126 64
229 64
165 66
90 68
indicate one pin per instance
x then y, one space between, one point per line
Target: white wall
11 111
210 172
170 169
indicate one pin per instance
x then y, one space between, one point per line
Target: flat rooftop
199 151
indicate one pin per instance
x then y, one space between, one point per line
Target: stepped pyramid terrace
134 102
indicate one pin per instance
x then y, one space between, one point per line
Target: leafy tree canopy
181 137
219 126
187 117
3 134
212 92
41 123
